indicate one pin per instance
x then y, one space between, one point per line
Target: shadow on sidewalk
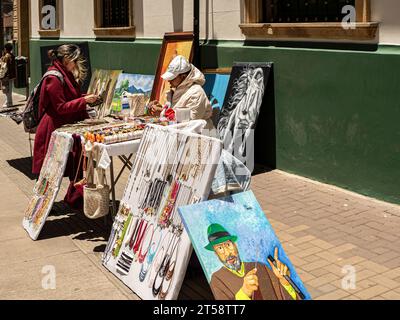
23 165
64 222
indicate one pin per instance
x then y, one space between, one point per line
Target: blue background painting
215 88
241 215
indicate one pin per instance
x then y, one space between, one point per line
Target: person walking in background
61 102
8 63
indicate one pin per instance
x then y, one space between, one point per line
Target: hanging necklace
164 220
146 243
159 258
170 271
151 255
162 272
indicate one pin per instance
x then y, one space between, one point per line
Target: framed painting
103 83
239 251
241 108
134 84
174 43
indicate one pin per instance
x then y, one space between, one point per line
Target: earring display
48 184
148 248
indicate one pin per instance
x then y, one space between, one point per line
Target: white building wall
34 16
387 12
77 19
219 19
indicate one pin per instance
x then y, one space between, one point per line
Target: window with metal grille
115 13
292 11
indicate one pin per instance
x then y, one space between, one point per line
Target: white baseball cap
177 66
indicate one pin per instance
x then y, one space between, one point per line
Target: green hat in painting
217 234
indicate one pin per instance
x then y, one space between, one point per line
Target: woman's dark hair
9 47
70 52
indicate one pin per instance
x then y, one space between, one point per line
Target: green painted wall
336 111
138 56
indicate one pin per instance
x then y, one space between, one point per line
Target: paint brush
294 286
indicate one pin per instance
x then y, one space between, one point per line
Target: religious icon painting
239 252
148 248
242 106
48 184
103 83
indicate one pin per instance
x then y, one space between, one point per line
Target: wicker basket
96 202
96 195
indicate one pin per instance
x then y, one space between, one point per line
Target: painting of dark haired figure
242 106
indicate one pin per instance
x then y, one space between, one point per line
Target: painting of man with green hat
239 280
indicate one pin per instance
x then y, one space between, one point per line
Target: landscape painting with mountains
133 84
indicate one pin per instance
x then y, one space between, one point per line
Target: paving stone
372 292
334 295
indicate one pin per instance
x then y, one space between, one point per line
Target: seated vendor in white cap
187 91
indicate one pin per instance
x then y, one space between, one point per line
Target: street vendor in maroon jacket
238 280
59 103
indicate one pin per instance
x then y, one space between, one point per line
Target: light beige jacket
190 94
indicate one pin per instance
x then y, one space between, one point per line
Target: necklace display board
239 251
48 184
148 249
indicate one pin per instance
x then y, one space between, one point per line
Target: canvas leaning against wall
238 248
103 83
242 106
148 248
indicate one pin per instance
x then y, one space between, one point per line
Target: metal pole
196 32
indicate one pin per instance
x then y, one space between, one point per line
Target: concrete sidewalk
326 231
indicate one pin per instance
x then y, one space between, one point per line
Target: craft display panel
103 83
134 84
242 106
179 43
48 184
148 248
233 233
